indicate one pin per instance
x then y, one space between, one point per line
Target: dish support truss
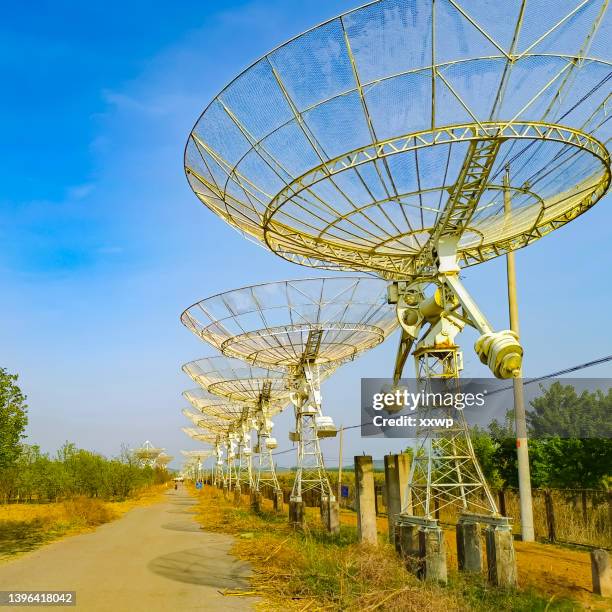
266 470
445 471
306 399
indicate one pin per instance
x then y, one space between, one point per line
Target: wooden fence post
502 502
550 516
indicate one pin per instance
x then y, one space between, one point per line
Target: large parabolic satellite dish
359 143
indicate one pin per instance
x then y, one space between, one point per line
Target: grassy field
25 527
315 571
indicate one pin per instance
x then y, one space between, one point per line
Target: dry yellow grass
25 527
316 571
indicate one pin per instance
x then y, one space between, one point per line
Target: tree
576 433
486 450
13 419
561 412
570 443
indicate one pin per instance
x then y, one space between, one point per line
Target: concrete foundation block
296 514
432 552
333 519
324 507
501 562
277 500
601 571
256 500
469 547
408 547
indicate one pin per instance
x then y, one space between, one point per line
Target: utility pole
522 448
340 467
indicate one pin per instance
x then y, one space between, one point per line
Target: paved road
154 558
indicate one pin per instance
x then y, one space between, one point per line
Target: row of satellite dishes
404 141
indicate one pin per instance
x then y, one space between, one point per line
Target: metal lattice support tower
266 470
218 472
231 464
310 474
244 474
444 471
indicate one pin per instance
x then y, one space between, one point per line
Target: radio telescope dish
275 324
206 421
226 380
356 144
303 328
197 454
249 396
216 405
147 453
163 460
202 435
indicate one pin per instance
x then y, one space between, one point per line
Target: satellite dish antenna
258 394
411 140
195 459
248 399
147 454
162 460
305 329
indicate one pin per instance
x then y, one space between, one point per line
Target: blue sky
104 244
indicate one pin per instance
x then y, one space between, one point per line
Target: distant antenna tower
147 454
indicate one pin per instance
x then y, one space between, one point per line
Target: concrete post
333 517
256 498
237 495
501 563
296 514
402 462
393 494
324 507
432 552
364 499
469 546
601 571
225 492
277 500
397 468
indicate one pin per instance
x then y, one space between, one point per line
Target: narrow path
154 558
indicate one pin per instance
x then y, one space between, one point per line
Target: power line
576 368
